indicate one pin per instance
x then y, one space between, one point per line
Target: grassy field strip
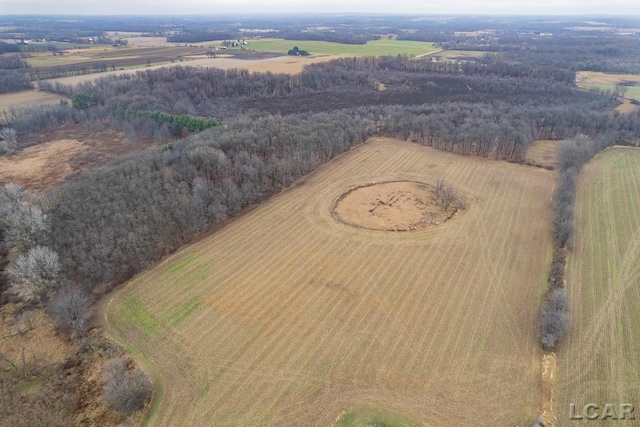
610 82
371 48
600 363
631 92
289 317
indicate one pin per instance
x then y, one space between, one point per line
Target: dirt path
428 54
549 384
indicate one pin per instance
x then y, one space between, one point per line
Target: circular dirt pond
390 206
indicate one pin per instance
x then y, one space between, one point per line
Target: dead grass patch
41 166
35 333
50 158
543 153
627 107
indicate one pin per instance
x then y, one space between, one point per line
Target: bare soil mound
390 206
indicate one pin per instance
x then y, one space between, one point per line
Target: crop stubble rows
600 362
304 317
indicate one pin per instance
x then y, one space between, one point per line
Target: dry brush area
600 360
289 317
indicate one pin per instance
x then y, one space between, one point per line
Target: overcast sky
160 7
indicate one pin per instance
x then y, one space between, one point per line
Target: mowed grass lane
286 317
600 361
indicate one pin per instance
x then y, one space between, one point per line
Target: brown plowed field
288 317
600 360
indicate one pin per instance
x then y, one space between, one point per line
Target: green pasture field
632 92
600 362
372 48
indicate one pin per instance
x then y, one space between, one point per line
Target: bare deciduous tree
71 308
10 138
445 195
21 221
36 274
555 318
125 390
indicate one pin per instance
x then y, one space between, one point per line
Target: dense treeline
30 120
13 81
118 220
601 53
201 36
497 131
69 70
114 222
573 154
344 37
340 84
427 35
571 51
534 102
175 123
73 35
9 47
12 62
490 65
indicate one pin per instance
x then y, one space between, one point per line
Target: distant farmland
287 316
629 83
372 48
601 360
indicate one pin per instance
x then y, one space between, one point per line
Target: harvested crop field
600 361
287 316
